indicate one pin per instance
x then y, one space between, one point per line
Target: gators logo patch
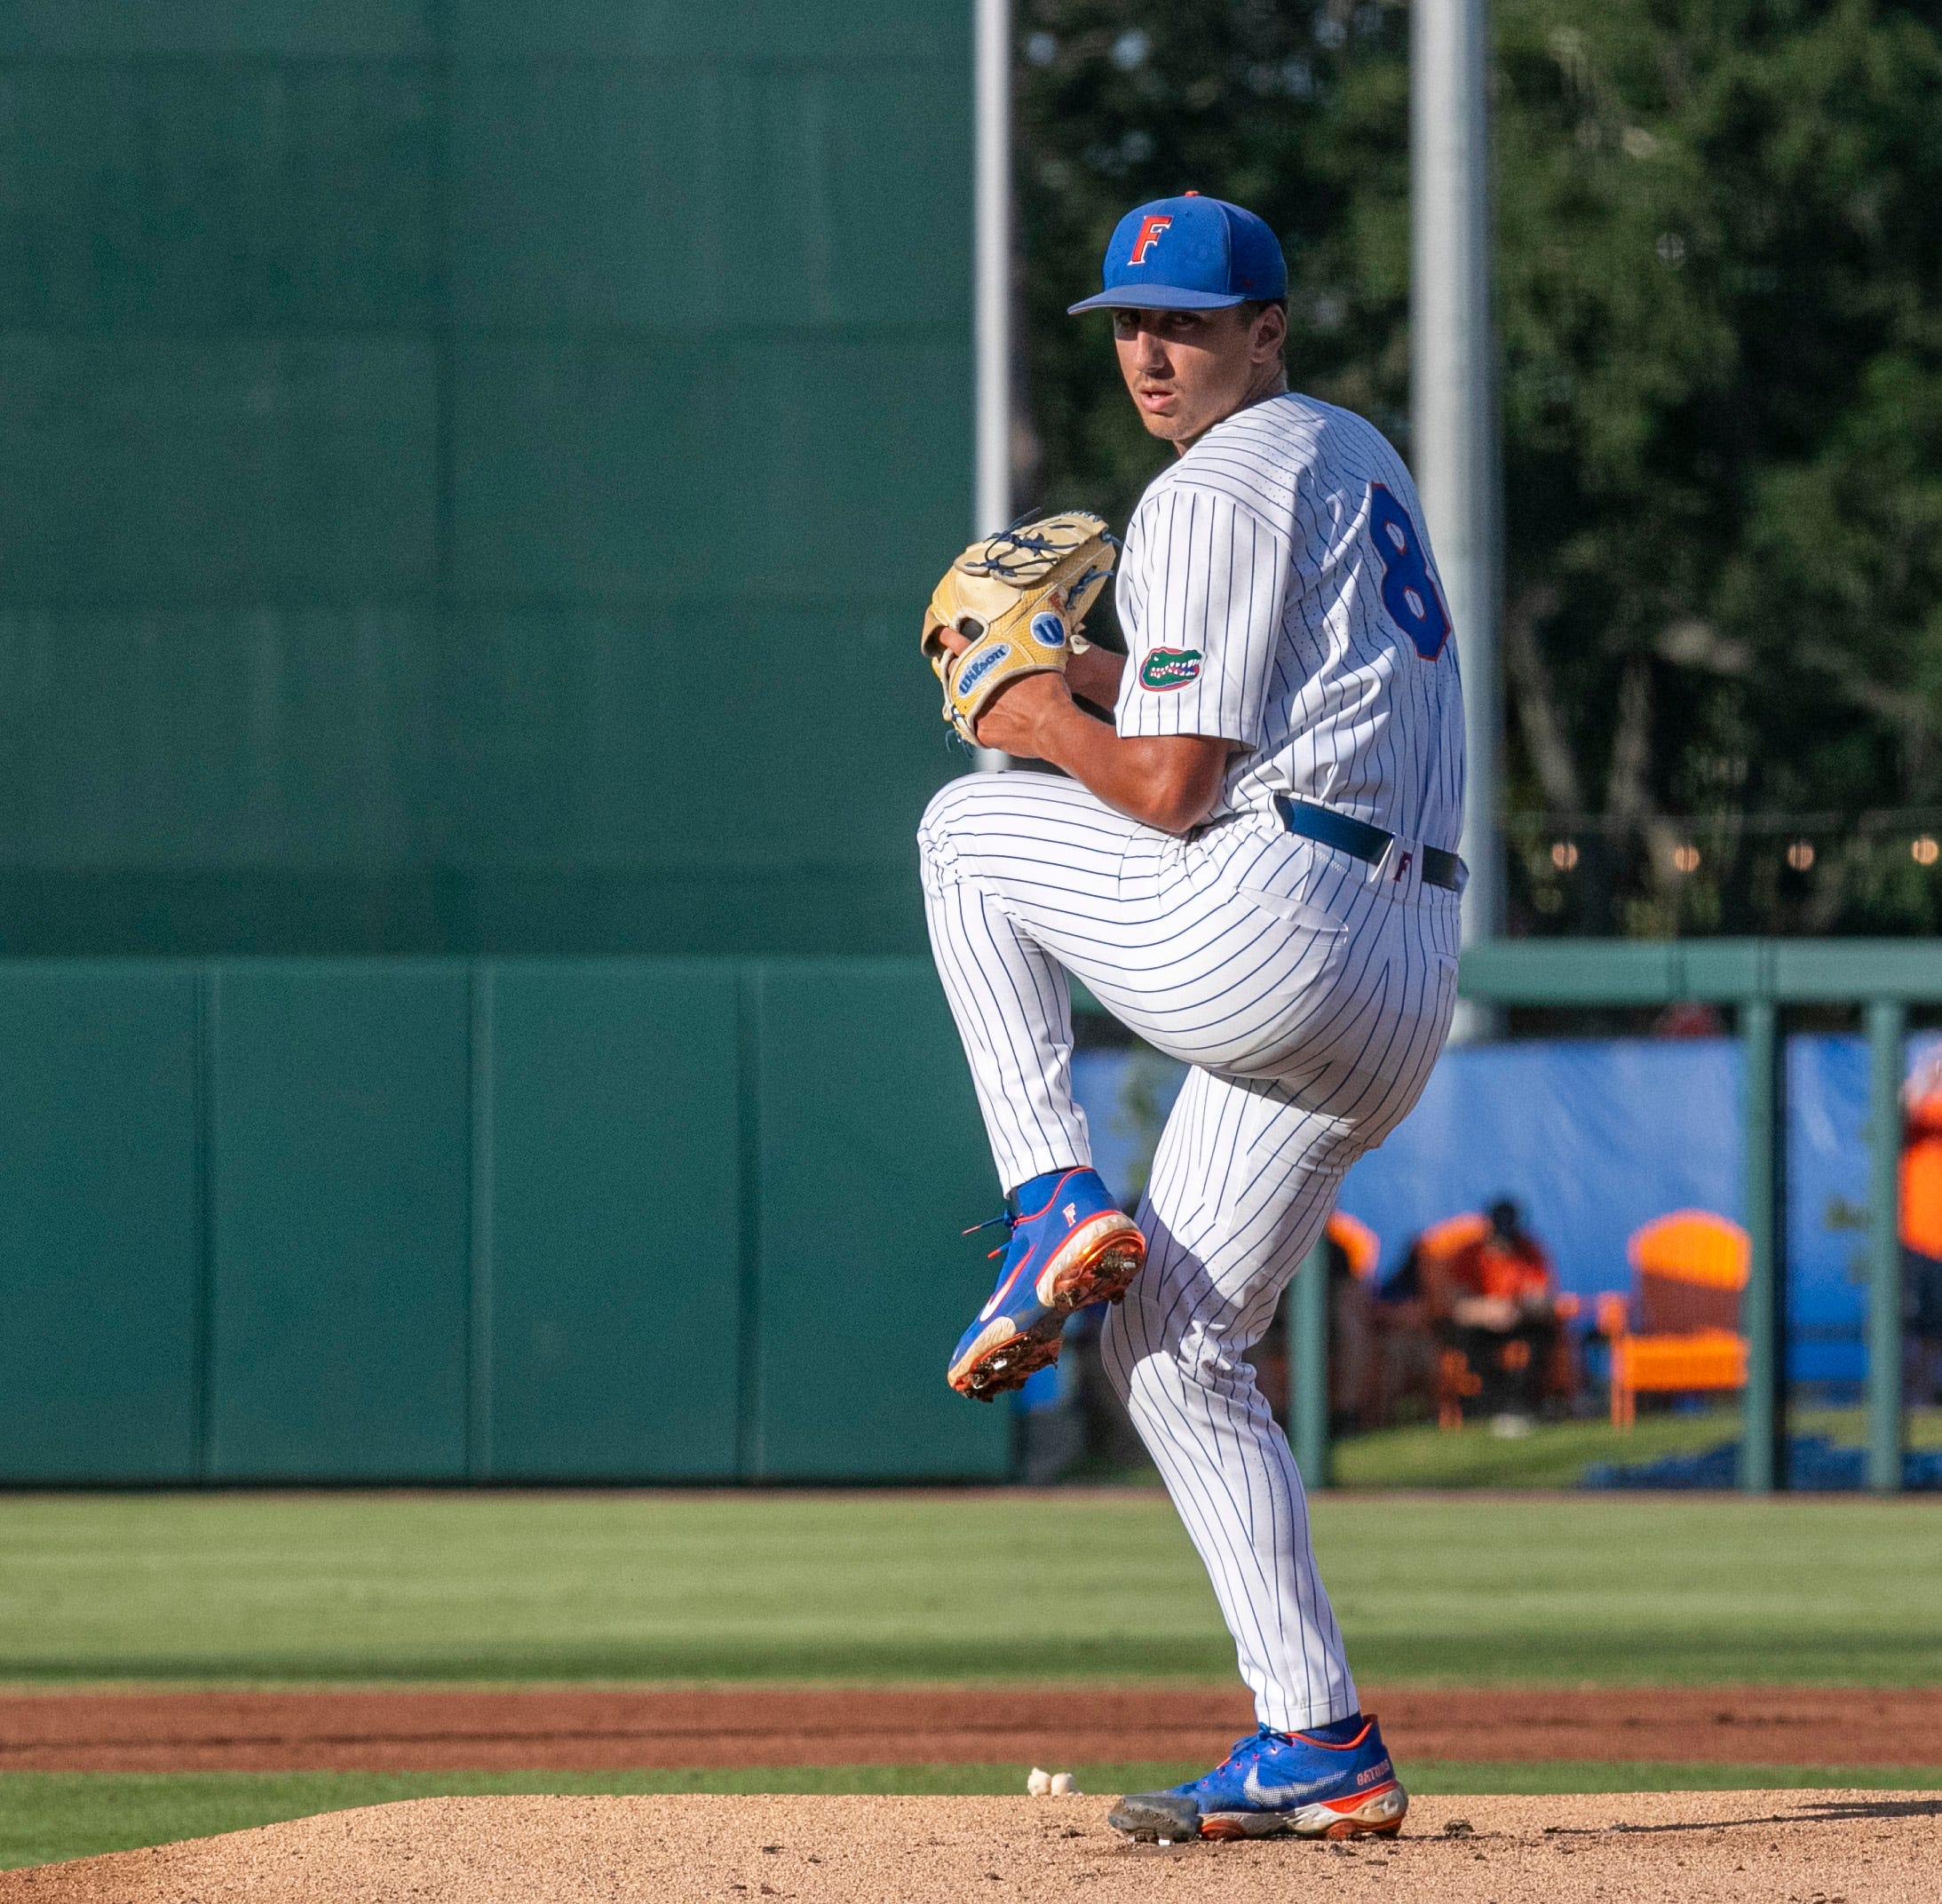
1168 668
1047 630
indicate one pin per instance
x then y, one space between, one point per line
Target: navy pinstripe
1308 993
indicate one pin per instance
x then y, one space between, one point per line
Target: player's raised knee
953 808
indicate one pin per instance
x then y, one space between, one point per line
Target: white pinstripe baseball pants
1311 995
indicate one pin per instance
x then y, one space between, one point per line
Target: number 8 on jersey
1408 593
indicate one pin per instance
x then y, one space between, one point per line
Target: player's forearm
1155 780
1095 673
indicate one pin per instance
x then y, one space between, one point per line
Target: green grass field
881 1587
240 1589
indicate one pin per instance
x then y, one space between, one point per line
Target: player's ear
1270 332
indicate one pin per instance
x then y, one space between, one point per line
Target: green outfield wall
471 470
384 1220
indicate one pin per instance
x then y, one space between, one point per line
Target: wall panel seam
480 1239
749 1455
204 1112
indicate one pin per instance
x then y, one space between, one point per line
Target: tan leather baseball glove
1020 598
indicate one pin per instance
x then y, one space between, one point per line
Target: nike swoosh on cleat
1005 1289
1280 1798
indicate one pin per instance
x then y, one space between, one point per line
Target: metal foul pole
991 302
1453 409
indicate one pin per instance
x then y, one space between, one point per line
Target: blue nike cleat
1071 1246
1339 1784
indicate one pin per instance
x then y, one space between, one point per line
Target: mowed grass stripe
874 1587
48 1816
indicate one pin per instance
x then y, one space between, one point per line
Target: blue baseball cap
1189 253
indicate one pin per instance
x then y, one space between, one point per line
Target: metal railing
1757 979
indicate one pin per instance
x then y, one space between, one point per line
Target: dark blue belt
1361 841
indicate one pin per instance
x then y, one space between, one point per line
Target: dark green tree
1719 289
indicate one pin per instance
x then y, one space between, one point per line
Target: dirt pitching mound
1818 1847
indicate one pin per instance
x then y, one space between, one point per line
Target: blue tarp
1595 1137
1814 1465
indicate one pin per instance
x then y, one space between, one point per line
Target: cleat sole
1227 1826
1003 1357
1377 1817
1375 1814
1095 1263
1368 1814
1148 1817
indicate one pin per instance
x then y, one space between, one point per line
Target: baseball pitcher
1253 866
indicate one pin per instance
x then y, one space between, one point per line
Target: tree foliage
1719 298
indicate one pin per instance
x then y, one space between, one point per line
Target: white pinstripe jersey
1277 589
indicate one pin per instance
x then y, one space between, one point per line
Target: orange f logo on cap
1150 229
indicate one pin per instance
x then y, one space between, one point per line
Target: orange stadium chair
1358 1242
1688 1272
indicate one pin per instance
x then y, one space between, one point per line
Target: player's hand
1012 719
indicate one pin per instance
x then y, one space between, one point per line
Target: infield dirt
1815 1847
560 1729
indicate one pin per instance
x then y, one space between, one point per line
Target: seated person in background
1922 1234
1499 1274
1493 1295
